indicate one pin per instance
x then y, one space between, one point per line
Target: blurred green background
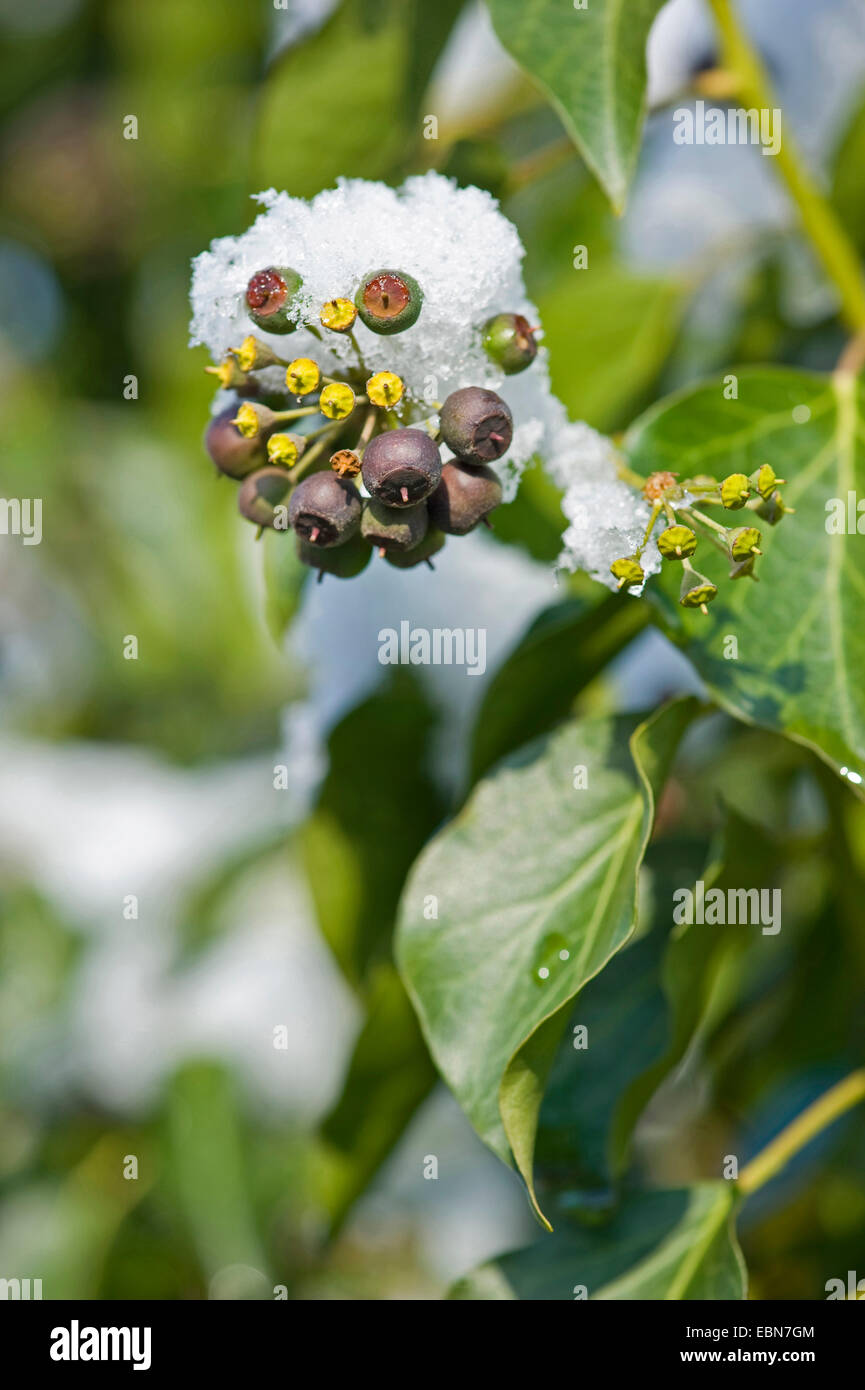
141 1036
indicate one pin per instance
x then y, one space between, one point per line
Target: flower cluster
683 506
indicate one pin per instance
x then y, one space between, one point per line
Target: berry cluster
682 505
307 481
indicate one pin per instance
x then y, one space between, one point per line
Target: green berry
765 480
269 296
509 341
388 301
463 498
393 528
401 467
419 554
342 561
232 453
325 510
676 542
476 425
260 495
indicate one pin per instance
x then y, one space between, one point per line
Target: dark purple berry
260 495
401 467
343 561
269 296
324 509
476 424
463 498
230 451
419 554
509 340
393 528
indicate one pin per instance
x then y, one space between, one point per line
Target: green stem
827 236
802 1130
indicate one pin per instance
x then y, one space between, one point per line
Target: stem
802 1130
827 236
311 455
295 414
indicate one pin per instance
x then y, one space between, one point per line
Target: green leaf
848 186
331 105
389 1075
521 900
671 1245
609 333
283 580
640 1015
801 639
592 65
535 687
377 807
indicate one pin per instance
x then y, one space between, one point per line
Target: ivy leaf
800 638
591 63
608 334
389 1075
283 580
521 900
671 1245
565 647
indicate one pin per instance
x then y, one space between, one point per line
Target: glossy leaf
591 62
673 1245
520 901
801 639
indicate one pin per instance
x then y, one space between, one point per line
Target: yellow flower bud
385 388
302 376
336 400
338 315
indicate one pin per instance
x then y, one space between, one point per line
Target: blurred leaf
284 576
591 63
209 1170
565 647
389 1075
332 105
609 333
377 806
533 889
678 1244
848 185
431 26
801 641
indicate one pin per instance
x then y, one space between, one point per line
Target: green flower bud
744 542
677 542
696 590
765 480
735 491
743 569
774 508
628 571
